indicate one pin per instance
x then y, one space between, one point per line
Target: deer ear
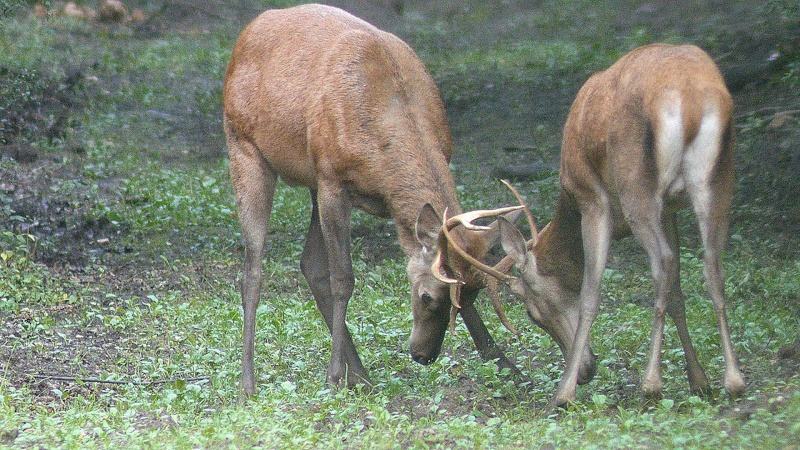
512 241
493 235
513 216
427 227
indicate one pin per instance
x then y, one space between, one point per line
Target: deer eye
426 297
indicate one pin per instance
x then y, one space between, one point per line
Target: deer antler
466 219
493 291
438 261
445 240
528 215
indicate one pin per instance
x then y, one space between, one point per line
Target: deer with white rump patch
325 100
650 135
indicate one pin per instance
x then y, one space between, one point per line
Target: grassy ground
120 318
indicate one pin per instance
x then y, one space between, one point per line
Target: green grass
161 303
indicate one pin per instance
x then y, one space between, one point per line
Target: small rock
71 9
112 11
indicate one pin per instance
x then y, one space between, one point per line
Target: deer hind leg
663 267
254 184
643 213
314 263
712 215
676 308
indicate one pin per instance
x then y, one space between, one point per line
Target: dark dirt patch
54 344
37 105
61 352
53 201
788 358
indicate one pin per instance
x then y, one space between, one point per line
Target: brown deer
325 100
650 135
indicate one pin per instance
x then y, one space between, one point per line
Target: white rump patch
686 168
701 157
669 142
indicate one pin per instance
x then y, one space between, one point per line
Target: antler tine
453 314
493 290
469 258
438 262
436 270
467 218
528 215
504 265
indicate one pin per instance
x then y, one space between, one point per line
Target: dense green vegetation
120 252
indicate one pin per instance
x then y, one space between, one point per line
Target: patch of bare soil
68 234
79 352
42 195
60 352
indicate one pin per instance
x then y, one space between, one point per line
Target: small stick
97 380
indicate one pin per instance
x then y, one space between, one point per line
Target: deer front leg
255 186
314 265
480 334
596 234
334 225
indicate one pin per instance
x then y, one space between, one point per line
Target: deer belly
295 168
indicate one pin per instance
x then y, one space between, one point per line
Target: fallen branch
99 381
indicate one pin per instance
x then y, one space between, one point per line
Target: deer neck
423 179
559 249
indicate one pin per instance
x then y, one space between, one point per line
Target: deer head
550 304
443 278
